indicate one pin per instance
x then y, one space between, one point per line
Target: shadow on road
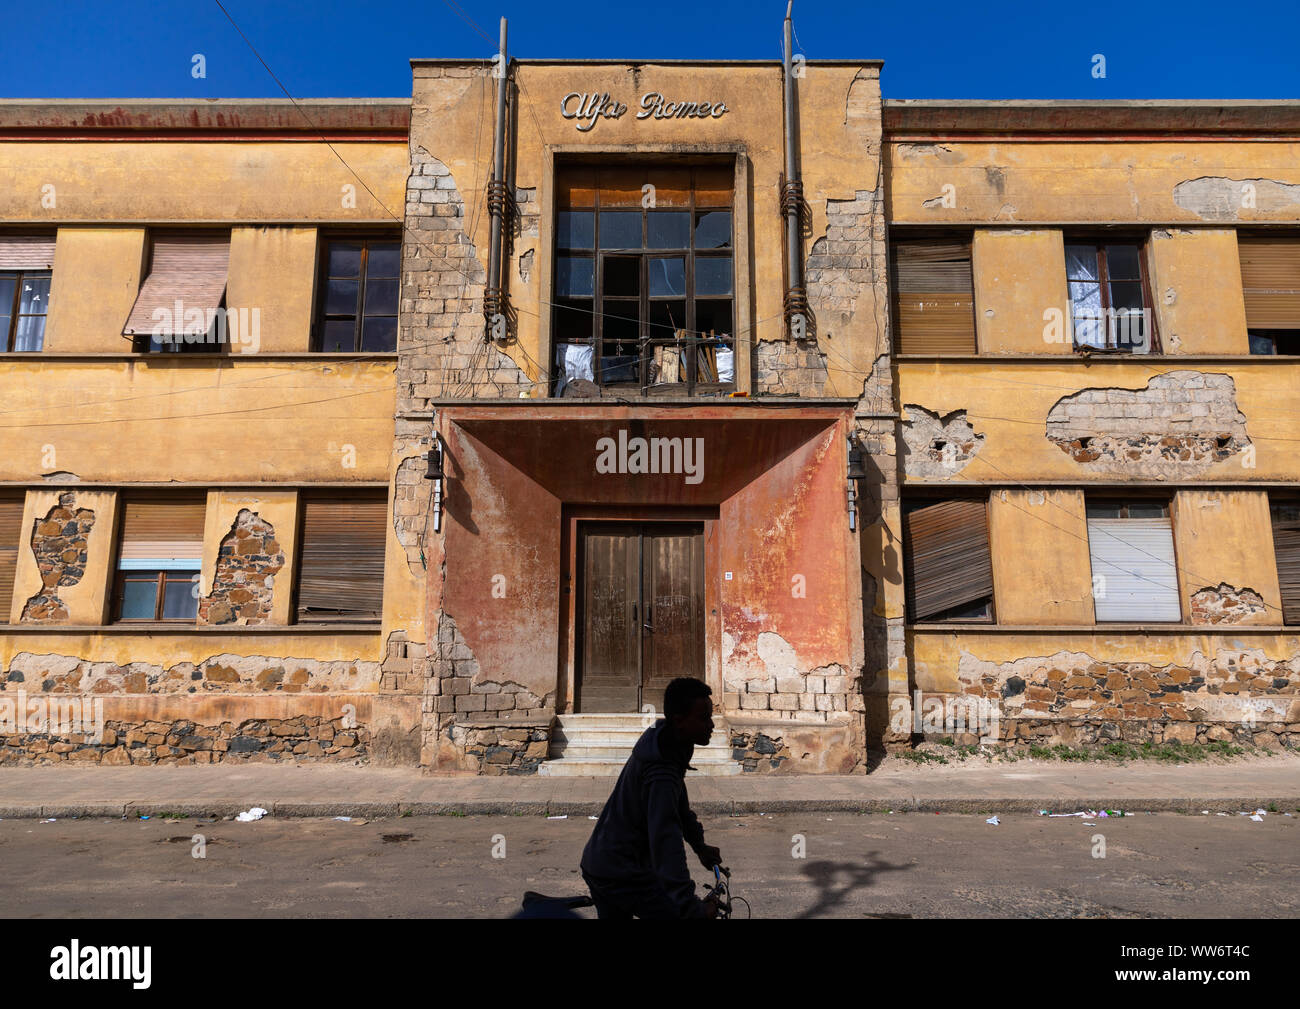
836 880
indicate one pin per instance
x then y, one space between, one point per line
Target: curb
727 807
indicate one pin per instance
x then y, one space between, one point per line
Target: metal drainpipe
796 301
493 302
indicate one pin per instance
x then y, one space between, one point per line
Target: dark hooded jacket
638 838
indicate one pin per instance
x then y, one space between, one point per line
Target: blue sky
116 49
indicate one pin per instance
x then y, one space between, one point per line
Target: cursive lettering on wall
587 108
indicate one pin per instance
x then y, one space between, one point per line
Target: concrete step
607 768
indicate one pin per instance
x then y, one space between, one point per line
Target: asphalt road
880 866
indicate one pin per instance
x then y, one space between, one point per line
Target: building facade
326 443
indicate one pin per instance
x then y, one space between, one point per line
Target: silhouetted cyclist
635 861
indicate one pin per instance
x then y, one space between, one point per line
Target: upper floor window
1110 303
25 265
181 304
1270 282
1134 576
934 306
644 278
358 295
160 552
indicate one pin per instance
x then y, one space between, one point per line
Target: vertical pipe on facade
496 197
792 242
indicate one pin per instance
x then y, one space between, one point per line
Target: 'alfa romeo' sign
587 108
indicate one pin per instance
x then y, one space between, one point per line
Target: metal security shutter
1136 557
189 270
26 252
1270 280
1286 545
11 521
947 551
935 298
162 532
341 573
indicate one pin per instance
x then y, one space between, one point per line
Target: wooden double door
641 619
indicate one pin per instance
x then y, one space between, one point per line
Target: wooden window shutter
341 571
1286 545
11 534
1270 280
162 532
189 270
1136 559
935 297
26 252
947 551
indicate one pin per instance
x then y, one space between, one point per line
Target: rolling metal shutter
341 572
948 562
1286 546
1136 557
189 270
935 298
162 533
11 532
26 252
1270 280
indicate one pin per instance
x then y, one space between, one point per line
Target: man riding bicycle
635 861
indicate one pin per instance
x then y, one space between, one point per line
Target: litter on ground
256 813
993 820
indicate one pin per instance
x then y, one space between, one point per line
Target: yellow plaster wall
1042 573
1049 182
1196 285
1009 401
1019 276
213 181
97 274
168 650
87 601
195 421
404 588
273 270
1226 536
280 509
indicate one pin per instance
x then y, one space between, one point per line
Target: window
1270 282
181 304
25 265
1277 341
11 531
1131 544
341 559
1286 547
935 297
159 556
949 569
1110 303
644 278
358 295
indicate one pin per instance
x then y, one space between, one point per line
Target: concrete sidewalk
973 787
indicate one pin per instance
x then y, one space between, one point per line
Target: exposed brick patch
247 563
412 497
1225 604
938 446
757 751
405 667
495 748
790 368
268 740
224 673
441 347
59 543
786 691
1182 423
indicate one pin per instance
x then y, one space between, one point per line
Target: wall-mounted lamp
857 471
435 473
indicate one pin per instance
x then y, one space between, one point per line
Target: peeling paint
1226 604
937 446
59 543
1215 198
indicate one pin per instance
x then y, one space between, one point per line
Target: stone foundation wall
1026 732
502 747
307 738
